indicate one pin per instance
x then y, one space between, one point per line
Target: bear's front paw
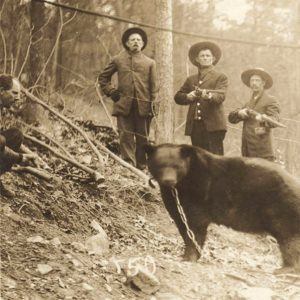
191 255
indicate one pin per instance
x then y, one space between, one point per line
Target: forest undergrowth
45 228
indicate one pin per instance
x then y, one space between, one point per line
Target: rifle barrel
274 122
211 91
266 118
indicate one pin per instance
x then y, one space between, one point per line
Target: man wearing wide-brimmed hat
134 96
205 92
256 136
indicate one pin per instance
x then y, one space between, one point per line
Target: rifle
265 118
199 91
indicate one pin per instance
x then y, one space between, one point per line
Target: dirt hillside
44 230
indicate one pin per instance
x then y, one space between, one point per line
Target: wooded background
58 53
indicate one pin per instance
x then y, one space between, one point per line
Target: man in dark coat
135 95
206 121
10 139
257 134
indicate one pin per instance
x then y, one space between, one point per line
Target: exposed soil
233 265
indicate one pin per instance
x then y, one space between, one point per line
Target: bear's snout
168 182
168 177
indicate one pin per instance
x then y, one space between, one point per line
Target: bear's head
170 163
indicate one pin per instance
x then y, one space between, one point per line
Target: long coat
211 110
254 145
136 79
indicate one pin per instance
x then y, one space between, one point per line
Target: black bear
247 194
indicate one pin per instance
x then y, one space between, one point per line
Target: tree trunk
297 55
36 57
164 59
37 51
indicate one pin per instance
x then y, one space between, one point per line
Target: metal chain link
190 233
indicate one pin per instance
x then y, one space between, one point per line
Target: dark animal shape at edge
247 194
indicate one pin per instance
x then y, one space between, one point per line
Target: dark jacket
254 145
11 138
136 79
212 110
8 157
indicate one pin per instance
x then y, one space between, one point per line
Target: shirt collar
204 71
258 95
138 54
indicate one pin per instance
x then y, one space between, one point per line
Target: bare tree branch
105 109
26 56
55 44
125 164
35 99
39 162
2 8
96 175
57 144
33 171
11 64
4 49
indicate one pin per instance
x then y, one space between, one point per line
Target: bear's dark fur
247 194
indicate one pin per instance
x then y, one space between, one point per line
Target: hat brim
246 75
131 31
195 49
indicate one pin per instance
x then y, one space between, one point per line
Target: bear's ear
149 149
196 155
186 151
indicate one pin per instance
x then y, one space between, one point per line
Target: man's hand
29 157
260 117
191 96
243 113
206 95
115 95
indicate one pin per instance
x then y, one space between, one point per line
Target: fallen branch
63 118
106 110
236 277
125 164
39 162
74 176
96 175
57 144
33 171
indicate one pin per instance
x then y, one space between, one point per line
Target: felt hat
131 31
195 49
246 75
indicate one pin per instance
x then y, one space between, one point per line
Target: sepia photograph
149 149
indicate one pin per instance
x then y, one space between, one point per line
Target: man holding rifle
205 92
260 114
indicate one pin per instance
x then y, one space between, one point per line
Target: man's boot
5 191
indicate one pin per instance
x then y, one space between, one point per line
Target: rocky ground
73 238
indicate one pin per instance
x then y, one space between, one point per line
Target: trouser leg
199 136
126 134
142 128
215 141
